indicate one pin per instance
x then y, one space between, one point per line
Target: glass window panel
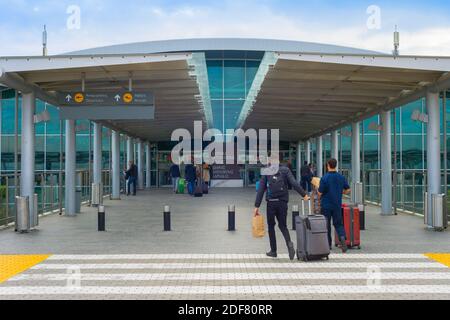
252 69
234 74
217 110
7 111
412 152
53 126
82 152
39 153
40 107
7 163
232 111
408 124
52 155
215 77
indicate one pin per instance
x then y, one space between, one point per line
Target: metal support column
433 149
148 166
130 151
70 169
115 195
97 153
299 160
386 164
27 179
319 155
356 153
308 152
335 146
140 164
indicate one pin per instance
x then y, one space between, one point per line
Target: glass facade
230 76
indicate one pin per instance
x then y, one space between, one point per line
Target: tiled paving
135 259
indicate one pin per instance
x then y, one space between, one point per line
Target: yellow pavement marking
443 258
11 265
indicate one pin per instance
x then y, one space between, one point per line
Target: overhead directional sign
122 98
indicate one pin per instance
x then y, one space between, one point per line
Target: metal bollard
295 214
232 218
167 222
101 218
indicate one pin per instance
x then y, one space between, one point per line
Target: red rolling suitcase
352 226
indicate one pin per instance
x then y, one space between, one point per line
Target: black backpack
276 186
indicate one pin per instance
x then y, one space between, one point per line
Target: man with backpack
277 197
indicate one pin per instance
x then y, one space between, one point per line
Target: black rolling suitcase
198 192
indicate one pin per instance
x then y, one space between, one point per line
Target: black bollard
101 218
167 223
362 217
231 218
295 214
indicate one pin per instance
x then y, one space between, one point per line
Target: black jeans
277 210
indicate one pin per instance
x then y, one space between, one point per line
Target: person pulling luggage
132 176
277 196
332 186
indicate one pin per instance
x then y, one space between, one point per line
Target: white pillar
308 152
148 166
386 164
433 149
97 167
335 146
70 169
319 152
130 151
27 179
356 153
115 150
299 160
140 165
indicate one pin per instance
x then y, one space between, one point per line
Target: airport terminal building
305 89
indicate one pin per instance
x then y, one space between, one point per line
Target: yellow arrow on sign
79 98
128 97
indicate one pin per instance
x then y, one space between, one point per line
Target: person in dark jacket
190 172
277 207
306 176
132 175
175 175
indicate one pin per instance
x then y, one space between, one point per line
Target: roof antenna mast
44 41
396 42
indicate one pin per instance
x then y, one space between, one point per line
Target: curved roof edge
210 44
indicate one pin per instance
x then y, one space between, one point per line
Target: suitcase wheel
328 258
359 247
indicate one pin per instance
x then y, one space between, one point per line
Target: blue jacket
190 173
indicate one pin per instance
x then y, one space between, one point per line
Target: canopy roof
301 88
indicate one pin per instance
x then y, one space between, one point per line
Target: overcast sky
424 25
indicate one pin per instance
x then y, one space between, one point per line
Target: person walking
132 175
277 196
305 173
175 174
332 186
190 173
206 176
